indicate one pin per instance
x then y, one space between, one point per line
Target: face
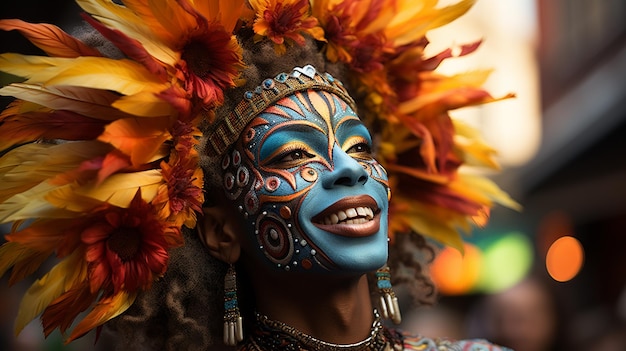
310 193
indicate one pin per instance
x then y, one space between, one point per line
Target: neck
333 309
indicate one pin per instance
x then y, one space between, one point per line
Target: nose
347 171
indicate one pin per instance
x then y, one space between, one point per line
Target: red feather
62 311
50 38
32 126
129 46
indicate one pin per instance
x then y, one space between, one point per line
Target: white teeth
360 211
357 215
351 212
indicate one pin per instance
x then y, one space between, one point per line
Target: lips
355 216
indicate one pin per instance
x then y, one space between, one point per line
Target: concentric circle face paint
312 196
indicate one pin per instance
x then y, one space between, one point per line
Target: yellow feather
28 263
443 87
32 204
144 105
474 149
436 223
123 76
37 68
120 189
61 278
105 310
479 187
412 22
30 164
121 18
88 102
10 254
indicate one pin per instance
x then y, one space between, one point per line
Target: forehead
319 107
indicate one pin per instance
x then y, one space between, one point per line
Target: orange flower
126 248
210 60
280 19
186 42
182 195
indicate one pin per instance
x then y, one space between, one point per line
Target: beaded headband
271 90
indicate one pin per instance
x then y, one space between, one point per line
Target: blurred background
552 277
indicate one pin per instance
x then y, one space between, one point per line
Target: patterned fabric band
227 130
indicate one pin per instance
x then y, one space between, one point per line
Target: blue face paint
311 194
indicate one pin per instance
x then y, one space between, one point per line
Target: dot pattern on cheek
236 158
272 183
248 135
275 238
251 203
285 212
309 174
243 176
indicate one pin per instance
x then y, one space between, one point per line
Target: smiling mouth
355 216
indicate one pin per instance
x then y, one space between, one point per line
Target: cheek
269 202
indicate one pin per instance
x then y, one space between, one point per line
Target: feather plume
123 76
106 309
38 69
50 235
62 277
441 225
118 189
94 103
130 47
64 125
480 188
49 38
32 204
138 138
28 165
64 309
413 21
147 104
143 29
23 260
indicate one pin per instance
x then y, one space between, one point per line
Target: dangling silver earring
388 301
233 324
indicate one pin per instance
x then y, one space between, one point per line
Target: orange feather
50 38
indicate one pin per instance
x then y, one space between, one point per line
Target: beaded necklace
275 335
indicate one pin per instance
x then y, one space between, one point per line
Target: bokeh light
454 273
491 265
507 260
564 258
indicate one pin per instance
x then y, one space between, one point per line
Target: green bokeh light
506 261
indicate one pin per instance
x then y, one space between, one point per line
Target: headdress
99 162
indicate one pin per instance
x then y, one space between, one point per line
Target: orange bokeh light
564 258
454 273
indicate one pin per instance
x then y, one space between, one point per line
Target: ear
219 231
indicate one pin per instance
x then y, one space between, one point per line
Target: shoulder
416 342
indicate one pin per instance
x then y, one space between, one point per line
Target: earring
388 301
233 325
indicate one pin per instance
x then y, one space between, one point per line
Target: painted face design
311 194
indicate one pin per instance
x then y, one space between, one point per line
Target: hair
184 309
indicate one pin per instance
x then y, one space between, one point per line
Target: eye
360 148
291 157
295 155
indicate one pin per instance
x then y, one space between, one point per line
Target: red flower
280 19
210 60
126 248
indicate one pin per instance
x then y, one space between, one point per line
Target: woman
244 101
